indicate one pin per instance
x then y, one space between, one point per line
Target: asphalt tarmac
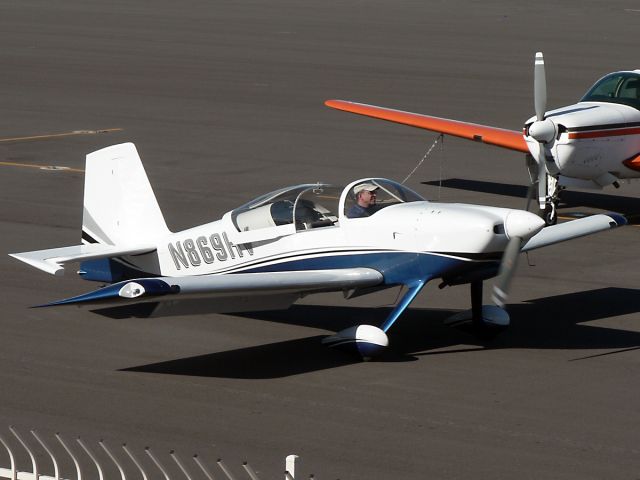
224 101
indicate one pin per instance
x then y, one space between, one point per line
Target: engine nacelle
366 340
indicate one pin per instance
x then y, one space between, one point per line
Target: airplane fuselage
427 237
593 142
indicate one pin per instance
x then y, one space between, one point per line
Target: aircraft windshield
387 193
620 87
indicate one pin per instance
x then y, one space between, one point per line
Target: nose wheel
549 198
550 212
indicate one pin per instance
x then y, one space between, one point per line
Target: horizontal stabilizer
574 229
53 260
246 284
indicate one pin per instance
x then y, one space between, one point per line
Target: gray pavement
224 101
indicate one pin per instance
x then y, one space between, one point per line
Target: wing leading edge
499 137
574 229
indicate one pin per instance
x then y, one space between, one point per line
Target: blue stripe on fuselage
396 267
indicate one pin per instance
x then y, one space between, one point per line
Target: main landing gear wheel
550 214
365 340
484 321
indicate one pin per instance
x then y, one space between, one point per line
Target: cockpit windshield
619 87
383 193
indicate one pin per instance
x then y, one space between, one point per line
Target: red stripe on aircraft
604 133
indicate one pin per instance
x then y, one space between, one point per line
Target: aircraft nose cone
522 224
543 131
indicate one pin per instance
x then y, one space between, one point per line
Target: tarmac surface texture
224 101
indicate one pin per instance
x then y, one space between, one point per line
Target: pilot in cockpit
365 204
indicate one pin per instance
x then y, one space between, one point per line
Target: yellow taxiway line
41 167
49 137
59 135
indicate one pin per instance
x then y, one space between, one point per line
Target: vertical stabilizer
120 207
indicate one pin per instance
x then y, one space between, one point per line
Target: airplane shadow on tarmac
551 322
569 199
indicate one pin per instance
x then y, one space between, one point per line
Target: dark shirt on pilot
356 211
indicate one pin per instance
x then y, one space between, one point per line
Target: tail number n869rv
191 252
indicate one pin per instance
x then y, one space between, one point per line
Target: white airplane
293 242
591 144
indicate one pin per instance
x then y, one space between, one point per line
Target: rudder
120 207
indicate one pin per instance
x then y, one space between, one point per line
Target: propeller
505 274
543 130
519 227
539 87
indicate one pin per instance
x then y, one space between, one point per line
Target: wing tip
619 219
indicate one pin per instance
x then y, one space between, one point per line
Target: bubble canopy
315 205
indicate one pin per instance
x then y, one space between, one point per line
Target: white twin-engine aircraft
591 144
293 242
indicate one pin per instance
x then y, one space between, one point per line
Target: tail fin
120 207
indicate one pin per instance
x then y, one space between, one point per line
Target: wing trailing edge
499 137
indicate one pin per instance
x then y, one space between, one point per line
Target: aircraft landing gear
550 212
486 321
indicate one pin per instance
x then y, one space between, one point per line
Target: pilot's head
365 194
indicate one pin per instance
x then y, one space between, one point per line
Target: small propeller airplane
293 242
591 144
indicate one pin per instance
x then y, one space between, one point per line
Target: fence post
14 474
56 470
33 460
113 459
160 467
75 462
250 471
290 467
202 467
134 460
92 457
177 460
224 469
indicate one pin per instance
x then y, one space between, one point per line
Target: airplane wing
574 229
245 284
500 137
53 260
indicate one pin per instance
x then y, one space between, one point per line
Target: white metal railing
13 472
